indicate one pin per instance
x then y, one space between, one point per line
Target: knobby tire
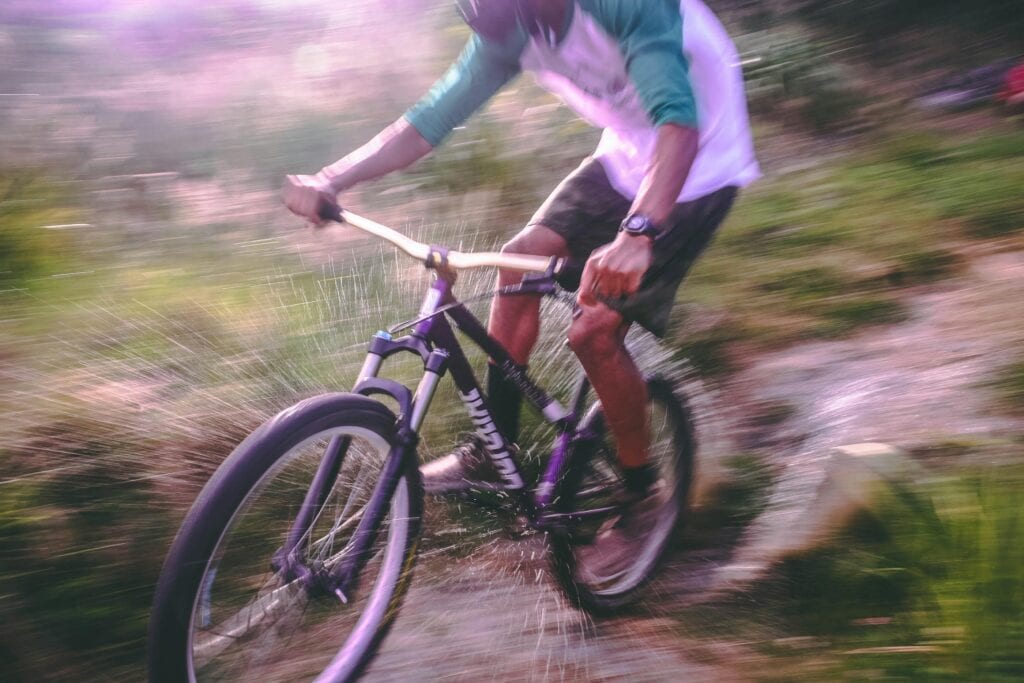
220 596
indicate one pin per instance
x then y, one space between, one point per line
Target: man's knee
598 332
536 240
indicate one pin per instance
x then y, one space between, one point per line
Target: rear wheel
603 555
226 609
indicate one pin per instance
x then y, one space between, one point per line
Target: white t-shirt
627 66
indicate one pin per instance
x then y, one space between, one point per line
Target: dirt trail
495 615
910 385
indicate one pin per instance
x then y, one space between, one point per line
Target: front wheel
227 606
602 556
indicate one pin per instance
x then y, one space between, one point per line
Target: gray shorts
586 211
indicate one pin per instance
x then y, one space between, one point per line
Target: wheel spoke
249 623
215 639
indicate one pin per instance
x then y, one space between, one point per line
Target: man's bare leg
598 337
515 320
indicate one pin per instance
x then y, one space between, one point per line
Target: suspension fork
323 481
342 580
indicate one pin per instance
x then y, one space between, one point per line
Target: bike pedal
520 527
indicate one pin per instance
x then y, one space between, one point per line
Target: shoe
467 467
606 560
640 512
613 552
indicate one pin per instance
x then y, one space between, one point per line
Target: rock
856 477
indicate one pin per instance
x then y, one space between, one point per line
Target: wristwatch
639 224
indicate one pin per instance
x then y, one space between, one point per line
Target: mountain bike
294 559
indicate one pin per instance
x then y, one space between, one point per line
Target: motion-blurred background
156 304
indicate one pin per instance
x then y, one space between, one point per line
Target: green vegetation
82 550
825 251
879 21
32 212
736 503
708 349
928 586
793 77
1009 386
136 351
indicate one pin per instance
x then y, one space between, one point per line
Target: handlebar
434 257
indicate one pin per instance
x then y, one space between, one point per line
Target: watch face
636 223
640 224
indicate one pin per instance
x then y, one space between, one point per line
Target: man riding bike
662 78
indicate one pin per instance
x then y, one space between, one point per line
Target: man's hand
310 196
616 269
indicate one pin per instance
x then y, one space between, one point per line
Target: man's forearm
674 153
395 148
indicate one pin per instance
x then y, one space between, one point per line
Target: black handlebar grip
570 274
330 212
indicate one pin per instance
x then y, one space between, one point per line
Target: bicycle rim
250 622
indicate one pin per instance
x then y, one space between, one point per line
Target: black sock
639 479
505 399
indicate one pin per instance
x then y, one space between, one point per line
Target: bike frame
433 339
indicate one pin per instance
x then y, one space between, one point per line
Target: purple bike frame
434 340
433 327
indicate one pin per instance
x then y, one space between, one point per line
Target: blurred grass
827 250
793 76
32 243
739 500
993 26
137 351
932 590
1009 386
